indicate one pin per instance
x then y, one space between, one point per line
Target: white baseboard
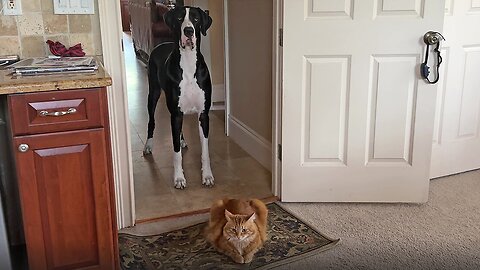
253 143
218 93
217 106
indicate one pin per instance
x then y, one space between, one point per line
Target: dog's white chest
192 98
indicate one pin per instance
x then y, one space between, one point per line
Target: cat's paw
238 259
248 259
180 183
208 180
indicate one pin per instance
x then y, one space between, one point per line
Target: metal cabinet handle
62 113
23 147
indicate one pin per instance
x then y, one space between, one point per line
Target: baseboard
218 93
253 143
217 106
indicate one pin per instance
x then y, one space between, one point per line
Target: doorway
112 49
238 171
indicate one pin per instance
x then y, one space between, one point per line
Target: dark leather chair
147 25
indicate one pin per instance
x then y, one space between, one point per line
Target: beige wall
25 35
250 44
215 36
217 41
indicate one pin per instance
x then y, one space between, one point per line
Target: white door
357 120
456 140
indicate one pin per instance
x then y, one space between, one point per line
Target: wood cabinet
64 168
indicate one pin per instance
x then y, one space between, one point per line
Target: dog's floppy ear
206 22
169 18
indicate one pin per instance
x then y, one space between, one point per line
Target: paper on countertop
54 62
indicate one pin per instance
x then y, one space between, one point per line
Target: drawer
52 111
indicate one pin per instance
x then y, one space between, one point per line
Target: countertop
10 84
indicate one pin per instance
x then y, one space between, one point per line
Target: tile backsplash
26 35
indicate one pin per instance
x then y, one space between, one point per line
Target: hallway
236 173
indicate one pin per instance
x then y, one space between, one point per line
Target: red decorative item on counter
58 49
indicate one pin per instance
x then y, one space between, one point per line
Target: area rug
289 239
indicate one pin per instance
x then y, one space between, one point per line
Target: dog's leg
179 180
207 176
153 96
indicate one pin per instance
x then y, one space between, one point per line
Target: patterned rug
289 239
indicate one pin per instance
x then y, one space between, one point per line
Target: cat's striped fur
237 228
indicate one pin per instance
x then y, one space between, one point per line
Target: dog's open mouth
188 42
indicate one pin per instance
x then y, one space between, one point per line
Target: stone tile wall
25 35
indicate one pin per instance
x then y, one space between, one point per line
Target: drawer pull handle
69 111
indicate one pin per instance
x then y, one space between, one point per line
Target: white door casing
357 120
110 26
456 140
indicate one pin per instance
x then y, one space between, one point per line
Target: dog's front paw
183 143
147 149
208 180
180 183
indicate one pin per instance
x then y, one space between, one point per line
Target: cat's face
239 227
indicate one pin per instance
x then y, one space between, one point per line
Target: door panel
391 108
456 141
330 107
357 118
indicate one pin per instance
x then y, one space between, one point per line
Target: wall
217 42
25 35
213 48
250 24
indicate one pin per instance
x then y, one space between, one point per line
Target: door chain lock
431 38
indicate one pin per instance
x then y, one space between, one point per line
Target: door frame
113 60
277 92
112 47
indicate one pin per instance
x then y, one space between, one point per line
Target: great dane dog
180 70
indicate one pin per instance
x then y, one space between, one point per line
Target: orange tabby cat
237 228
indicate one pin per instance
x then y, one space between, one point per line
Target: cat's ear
228 215
252 218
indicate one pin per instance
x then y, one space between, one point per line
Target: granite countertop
10 84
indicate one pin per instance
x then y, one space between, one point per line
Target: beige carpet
442 234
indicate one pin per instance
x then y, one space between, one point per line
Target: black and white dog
180 70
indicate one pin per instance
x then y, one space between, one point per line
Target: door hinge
280 37
279 152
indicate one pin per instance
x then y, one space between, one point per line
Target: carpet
289 239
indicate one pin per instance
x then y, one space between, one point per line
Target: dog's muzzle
188 37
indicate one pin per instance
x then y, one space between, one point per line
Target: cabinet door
64 188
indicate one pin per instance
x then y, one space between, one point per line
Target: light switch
73 6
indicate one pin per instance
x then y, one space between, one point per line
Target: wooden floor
236 173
